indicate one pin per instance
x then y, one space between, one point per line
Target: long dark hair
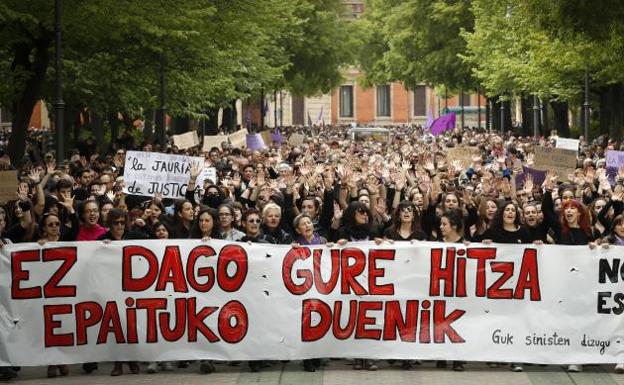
196 231
396 219
349 225
497 222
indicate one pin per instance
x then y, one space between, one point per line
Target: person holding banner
226 230
451 231
615 236
183 216
406 224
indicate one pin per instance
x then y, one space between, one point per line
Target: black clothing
503 236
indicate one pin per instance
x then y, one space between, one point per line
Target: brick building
384 104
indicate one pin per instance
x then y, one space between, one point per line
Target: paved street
337 373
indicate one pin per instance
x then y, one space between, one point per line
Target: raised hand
22 191
195 170
528 184
337 211
67 201
34 176
111 196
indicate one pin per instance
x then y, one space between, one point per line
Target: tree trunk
113 120
212 124
27 96
560 114
148 127
97 124
611 114
181 125
527 115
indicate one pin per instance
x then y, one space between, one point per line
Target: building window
383 101
420 101
466 100
346 101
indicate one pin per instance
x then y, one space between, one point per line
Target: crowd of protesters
330 189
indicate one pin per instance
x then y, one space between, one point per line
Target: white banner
184 300
149 173
568 144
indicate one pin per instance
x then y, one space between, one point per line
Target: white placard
149 173
568 144
164 300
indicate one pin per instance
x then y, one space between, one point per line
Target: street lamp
586 106
536 117
59 104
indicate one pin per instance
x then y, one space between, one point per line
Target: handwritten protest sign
239 138
568 144
296 139
557 160
186 140
150 173
463 154
211 141
8 185
184 299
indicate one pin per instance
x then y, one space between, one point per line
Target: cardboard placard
186 140
296 139
211 141
557 160
239 138
8 185
463 154
266 137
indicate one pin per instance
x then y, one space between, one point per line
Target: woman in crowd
205 224
271 220
90 229
227 231
406 224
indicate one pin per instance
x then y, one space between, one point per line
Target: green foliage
417 41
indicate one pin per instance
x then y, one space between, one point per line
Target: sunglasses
362 211
257 220
407 209
53 224
119 223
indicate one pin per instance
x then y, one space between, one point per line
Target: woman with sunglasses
406 224
50 231
252 224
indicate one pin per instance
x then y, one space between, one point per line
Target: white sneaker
152 367
619 368
516 367
575 368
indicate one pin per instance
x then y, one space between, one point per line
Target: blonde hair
271 206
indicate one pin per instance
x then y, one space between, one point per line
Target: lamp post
586 106
502 117
536 117
479 108
491 102
162 111
59 104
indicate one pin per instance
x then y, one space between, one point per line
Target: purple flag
320 118
309 120
429 121
443 123
276 136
